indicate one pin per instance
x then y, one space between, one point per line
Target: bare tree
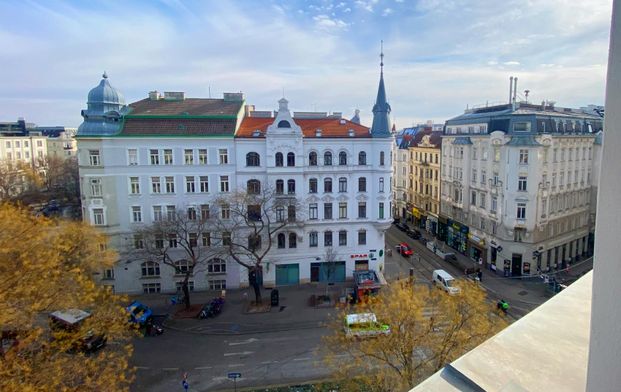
330 263
16 177
181 239
60 177
248 224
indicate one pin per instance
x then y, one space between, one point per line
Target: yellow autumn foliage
428 329
45 266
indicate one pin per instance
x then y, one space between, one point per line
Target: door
287 274
332 272
516 264
361 265
315 268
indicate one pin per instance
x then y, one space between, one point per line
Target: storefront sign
359 256
416 212
476 239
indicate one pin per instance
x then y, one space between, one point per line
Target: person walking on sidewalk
184 382
480 275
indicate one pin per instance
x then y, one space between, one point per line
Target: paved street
281 346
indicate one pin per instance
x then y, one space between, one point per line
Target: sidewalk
293 312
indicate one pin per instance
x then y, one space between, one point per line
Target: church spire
381 109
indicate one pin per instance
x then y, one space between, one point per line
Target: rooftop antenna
382 57
209 88
526 95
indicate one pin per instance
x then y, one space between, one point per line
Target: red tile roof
330 127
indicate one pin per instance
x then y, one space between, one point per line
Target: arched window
381 184
183 266
279 159
253 159
284 124
327 158
290 159
280 187
342 158
281 240
381 158
312 158
293 240
362 158
253 187
312 185
362 184
342 184
291 186
327 185
150 268
216 266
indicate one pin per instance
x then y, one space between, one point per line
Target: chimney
174 95
543 106
154 95
248 109
510 89
233 97
515 89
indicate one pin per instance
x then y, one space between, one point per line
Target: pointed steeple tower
381 109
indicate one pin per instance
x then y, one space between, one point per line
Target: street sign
234 376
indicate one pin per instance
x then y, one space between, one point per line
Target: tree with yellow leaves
47 266
428 329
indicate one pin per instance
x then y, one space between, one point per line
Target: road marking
242 353
142 368
202 368
248 341
236 365
268 362
170 369
302 359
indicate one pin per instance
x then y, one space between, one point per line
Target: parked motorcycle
212 308
503 305
152 329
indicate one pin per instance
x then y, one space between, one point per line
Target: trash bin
274 297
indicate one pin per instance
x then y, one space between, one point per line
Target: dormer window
318 133
284 124
351 133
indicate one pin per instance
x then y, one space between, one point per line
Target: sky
441 56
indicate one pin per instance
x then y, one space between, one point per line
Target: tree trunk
253 279
186 291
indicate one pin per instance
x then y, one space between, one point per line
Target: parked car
445 281
68 323
139 313
364 325
414 234
402 226
404 249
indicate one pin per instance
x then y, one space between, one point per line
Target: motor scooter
503 305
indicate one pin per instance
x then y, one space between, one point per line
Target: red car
404 249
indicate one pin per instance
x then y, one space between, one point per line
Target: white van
445 281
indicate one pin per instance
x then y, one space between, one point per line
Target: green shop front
457 236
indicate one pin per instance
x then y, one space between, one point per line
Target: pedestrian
184 382
480 275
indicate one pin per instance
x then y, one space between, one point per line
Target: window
188 157
474 175
225 211
521 127
253 187
224 183
327 238
280 214
342 184
362 158
313 239
204 212
171 213
217 284
342 158
482 200
362 237
522 183
138 241
8 144
521 210
254 212
523 157
291 213
17 145
362 184
226 238
157 213
170 184
93 156
204 183
190 186
327 158
206 239
136 214
343 210
483 177
327 185
168 157
280 187
151 288
381 184
280 240
494 204
312 158
495 179
343 238
381 158
216 266
313 211
290 159
98 217
312 185
150 268
183 267
96 189
279 159
254 242
202 156
474 153
223 155
327 210
381 210
293 240
253 159
156 186
179 285
291 187
362 209
132 157
473 198
284 124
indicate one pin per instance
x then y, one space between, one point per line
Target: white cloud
511 63
366 5
387 11
324 22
